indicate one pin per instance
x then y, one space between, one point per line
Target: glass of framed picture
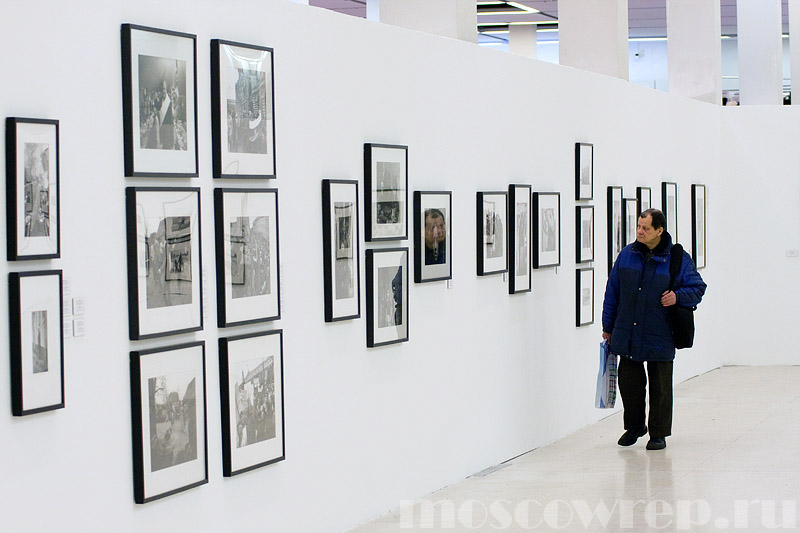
433 251
584 229
519 238
631 219
615 224
32 185
699 225
584 296
251 388
386 192
669 206
340 244
164 266
387 296
491 211
168 415
159 96
584 171
643 199
248 258
242 110
546 229
37 341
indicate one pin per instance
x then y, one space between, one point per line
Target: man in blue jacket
636 325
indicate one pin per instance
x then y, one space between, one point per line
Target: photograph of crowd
247 113
37 189
173 420
250 260
255 400
162 103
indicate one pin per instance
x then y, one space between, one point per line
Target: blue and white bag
606 394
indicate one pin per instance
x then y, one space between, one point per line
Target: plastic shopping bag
606 394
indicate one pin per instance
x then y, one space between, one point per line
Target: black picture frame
36 331
247 246
251 371
584 296
584 233
385 192
699 225
669 206
159 132
387 304
615 223
519 238
341 250
584 171
165 286
33 205
546 230
491 212
433 214
644 199
631 220
243 140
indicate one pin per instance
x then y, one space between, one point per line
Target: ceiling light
505 8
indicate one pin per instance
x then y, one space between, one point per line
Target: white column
694 52
522 40
794 49
457 19
593 35
760 51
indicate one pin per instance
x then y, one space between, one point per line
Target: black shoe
630 437
657 443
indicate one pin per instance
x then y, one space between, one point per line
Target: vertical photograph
432 238
631 220
669 206
386 191
172 419
584 171
615 224
584 296
340 249
699 225
643 197
387 296
584 240
491 216
519 239
546 229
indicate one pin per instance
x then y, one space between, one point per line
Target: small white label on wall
78 306
78 327
792 253
449 281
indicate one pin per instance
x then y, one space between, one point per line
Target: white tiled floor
732 464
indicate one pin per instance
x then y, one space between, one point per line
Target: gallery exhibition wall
485 376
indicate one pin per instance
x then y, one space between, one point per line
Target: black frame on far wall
23 371
614 193
579 286
538 199
372 188
481 232
331 235
372 257
631 206
435 270
641 192
183 165
519 261
251 161
579 165
670 214
18 199
579 258
697 190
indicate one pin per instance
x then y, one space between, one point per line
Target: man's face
434 230
645 233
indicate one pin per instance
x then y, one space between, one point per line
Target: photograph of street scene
173 420
254 386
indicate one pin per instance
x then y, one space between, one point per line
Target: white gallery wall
485 376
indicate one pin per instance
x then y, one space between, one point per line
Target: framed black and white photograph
584 296
248 258
168 416
32 184
643 199
164 267
387 296
386 192
491 231
37 341
699 225
669 206
584 229
631 220
433 252
251 388
584 171
519 238
615 224
340 244
159 98
546 231
242 110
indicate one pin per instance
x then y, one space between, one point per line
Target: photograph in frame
643 199
247 256
491 232
616 240
386 192
32 189
519 238
584 296
168 418
584 171
546 229
340 244
159 92
242 110
37 341
631 220
387 296
164 261
584 237
699 225
669 206
251 388
432 236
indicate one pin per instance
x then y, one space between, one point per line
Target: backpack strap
675 261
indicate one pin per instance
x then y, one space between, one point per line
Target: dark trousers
632 383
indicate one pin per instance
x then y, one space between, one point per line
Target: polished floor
732 464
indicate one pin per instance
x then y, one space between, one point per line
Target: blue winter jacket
632 310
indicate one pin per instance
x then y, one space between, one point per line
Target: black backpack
681 318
